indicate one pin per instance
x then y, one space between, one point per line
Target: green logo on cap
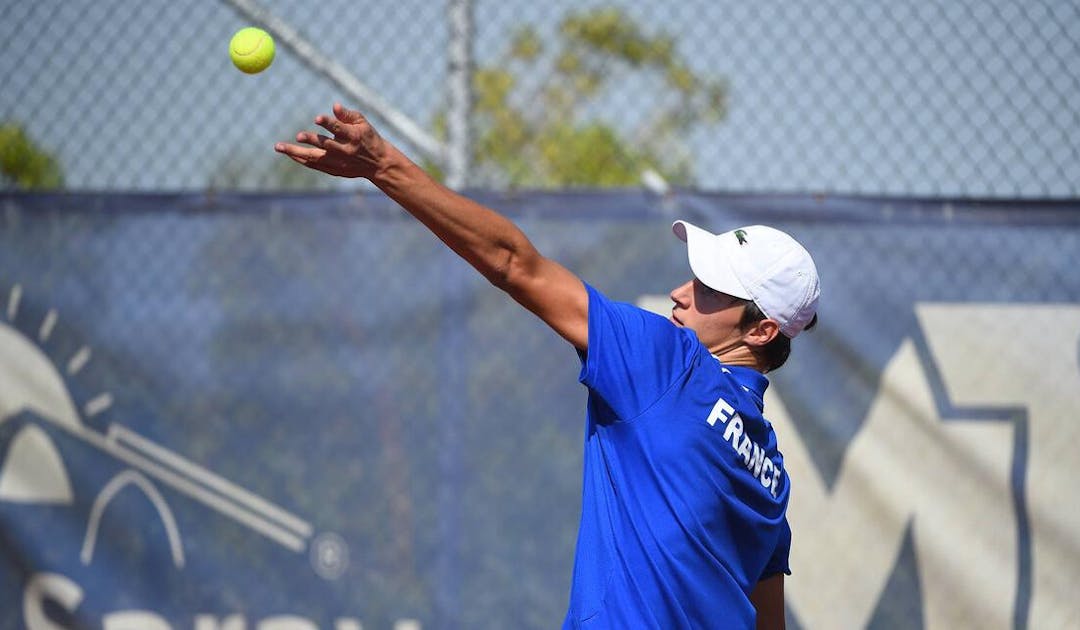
741 235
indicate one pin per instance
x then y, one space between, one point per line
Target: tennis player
683 521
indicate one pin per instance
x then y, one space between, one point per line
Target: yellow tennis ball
251 50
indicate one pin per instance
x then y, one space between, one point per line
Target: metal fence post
459 83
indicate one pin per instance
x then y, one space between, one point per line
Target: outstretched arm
490 242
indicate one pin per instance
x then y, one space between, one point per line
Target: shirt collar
750 379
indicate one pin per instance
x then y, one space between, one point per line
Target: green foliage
24 164
530 134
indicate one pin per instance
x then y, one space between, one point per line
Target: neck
738 355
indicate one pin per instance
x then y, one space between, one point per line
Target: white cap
757 263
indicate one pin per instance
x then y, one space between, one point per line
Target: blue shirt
684 494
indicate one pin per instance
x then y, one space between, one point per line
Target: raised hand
354 150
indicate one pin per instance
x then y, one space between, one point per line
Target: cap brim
709 258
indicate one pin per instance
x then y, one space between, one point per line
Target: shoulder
634 350
634 332
625 314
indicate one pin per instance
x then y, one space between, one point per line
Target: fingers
342 152
323 150
345 124
311 157
348 116
308 138
322 142
331 124
300 153
314 139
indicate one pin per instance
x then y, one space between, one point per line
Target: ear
761 333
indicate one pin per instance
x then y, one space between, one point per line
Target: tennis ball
251 50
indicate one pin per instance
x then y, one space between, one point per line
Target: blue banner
302 411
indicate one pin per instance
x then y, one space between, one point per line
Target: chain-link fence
950 97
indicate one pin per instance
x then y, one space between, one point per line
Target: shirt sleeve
778 563
634 355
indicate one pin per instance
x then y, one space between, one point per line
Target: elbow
513 268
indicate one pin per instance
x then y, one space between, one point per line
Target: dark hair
775 353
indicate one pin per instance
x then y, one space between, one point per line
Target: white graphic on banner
950 479
30 382
118 483
1027 357
32 471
